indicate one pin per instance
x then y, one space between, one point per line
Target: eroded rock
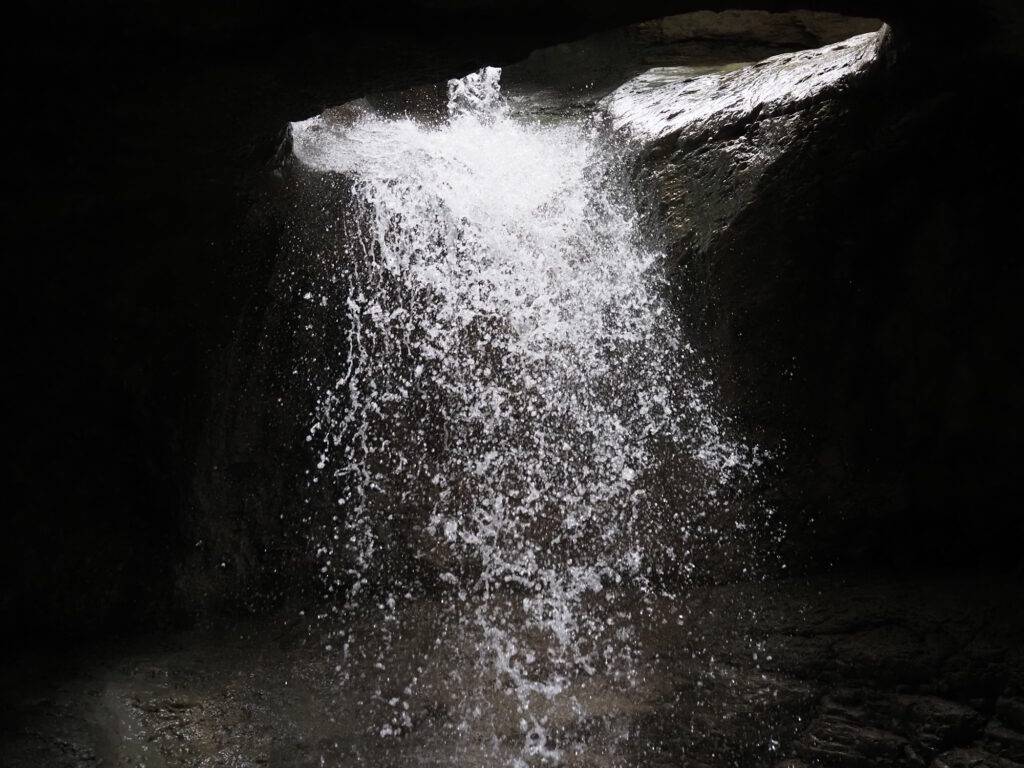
789 190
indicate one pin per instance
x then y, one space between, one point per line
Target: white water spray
517 416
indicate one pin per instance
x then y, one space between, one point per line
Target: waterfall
518 424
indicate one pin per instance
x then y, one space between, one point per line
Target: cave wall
831 253
139 260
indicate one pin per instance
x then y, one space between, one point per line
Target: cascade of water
517 417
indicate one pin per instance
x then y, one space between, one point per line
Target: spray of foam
516 415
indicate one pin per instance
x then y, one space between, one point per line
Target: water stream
517 428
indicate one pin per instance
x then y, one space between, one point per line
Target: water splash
518 422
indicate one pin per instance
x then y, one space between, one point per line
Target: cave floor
838 671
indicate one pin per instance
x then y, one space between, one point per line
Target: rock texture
820 231
601 62
678 109
852 672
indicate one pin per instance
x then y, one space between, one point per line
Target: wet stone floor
833 672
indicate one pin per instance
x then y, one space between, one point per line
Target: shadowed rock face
142 271
825 238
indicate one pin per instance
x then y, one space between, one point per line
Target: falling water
517 423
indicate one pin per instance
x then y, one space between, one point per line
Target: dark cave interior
143 246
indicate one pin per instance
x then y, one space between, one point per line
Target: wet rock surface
588 69
679 109
832 672
800 198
